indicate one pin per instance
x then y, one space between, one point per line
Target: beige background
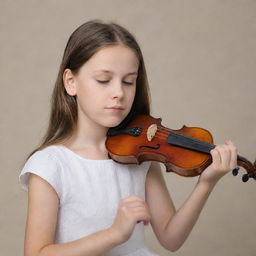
200 58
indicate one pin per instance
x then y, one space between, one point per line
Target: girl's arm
41 223
173 227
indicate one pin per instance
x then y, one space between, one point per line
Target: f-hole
156 147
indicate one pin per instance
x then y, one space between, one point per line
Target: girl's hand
224 159
131 210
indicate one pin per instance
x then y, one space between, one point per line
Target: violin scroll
250 168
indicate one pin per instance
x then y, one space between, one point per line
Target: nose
118 90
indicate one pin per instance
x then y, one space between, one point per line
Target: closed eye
106 81
102 82
128 83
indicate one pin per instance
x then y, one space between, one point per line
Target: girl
79 201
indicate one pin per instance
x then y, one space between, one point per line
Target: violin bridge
151 131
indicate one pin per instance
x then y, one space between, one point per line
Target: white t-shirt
89 192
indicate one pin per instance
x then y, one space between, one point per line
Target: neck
88 135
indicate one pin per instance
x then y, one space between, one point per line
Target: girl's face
106 80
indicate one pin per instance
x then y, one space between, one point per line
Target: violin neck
184 141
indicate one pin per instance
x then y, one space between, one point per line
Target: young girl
80 202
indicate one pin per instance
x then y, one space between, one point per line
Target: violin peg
245 177
235 171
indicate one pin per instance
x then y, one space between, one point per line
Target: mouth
116 108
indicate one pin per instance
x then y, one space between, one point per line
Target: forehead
116 58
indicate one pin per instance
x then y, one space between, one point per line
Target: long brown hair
83 43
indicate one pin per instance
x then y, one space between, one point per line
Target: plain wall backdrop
201 60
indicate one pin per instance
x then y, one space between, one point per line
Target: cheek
131 93
87 88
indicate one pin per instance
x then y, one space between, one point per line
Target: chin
114 122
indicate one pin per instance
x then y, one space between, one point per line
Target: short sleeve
43 164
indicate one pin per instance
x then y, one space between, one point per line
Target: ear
69 82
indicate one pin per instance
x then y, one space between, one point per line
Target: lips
116 107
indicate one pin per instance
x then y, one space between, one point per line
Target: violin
185 152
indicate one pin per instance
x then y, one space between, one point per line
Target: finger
132 198
135 205
229 142
225 154
233 157
146 222
143 216
216 160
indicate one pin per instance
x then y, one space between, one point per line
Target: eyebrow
107 71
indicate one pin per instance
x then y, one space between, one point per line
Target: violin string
163 131
160 131
161 134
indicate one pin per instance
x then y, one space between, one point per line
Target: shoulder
45 164
46 153
50 155
49 152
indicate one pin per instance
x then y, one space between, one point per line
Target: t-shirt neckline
83 158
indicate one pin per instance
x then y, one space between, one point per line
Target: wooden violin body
185 151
